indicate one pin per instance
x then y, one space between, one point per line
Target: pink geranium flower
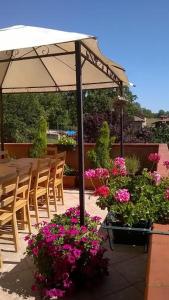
154 157
156 177
101 173
102 191
119 162
122 195
166 194
89 174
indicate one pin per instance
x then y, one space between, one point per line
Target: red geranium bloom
102 191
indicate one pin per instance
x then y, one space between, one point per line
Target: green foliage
21 117
100 157
147 199
160 134
69 171
132 164
66 140
40 143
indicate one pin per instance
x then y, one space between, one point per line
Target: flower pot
90 186
69 182
129 237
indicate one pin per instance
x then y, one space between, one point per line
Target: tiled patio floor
127 267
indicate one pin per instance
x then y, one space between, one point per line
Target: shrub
67 255
40 143
100 157
132 164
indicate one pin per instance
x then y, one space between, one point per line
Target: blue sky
135 33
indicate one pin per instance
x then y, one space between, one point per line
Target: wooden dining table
9 168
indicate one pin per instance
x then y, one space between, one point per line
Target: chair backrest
8 192
42 173
25 176
59 165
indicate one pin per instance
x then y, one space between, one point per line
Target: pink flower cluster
154 157
166 164
102 191
156 177
122 195
166 194
97 173
119 167
57 249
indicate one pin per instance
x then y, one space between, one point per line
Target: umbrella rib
7 68
46 69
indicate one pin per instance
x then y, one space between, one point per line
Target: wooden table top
9 168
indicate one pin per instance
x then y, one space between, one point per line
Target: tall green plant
100 157
40 143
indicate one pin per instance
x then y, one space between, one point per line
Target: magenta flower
119 162
154 157
74 220
122 195
54 293
156 177
102 191
166 194
101 173
89 174
35 251
166 164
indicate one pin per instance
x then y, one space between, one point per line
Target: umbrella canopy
34 59
45 60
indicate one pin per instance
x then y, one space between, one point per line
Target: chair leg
47 204
62 194
36 210
23 218
1 261
55 197
28 219
15 233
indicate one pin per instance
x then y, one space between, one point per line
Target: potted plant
66 255
69 177
65 142
134 201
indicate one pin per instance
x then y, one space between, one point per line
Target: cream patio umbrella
34 59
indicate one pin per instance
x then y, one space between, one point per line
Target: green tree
40 143
100 157
21 116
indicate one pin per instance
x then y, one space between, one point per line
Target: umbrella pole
121 123
1 120
80 128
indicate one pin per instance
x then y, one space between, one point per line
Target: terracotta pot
69 182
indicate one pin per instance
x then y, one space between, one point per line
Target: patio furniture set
28 184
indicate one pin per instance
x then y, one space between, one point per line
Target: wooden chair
23 190
4 156
40 188
56 178
8 194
